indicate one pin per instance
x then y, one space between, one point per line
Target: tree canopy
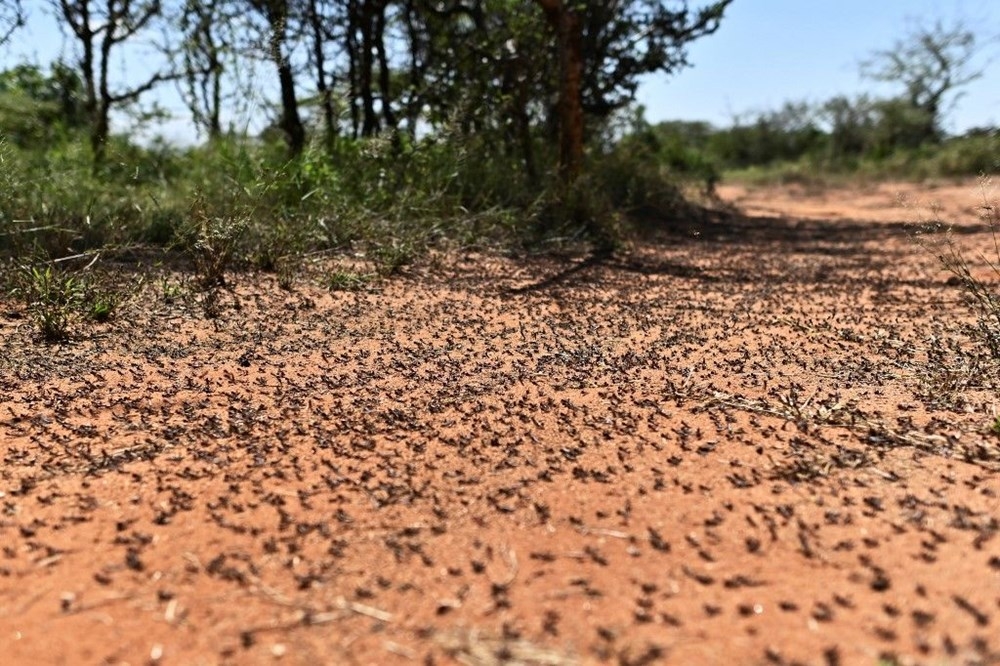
534 72
930 63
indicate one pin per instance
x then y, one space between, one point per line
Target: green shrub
240 201
968 155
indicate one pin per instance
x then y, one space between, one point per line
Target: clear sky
765 53
770 51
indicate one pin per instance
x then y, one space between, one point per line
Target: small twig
615 534
361 609
397 649
101 603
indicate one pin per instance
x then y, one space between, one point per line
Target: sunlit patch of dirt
760 439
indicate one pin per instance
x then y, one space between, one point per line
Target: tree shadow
669 248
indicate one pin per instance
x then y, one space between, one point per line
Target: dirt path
754 441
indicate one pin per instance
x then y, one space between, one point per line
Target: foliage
626 40
864 136
38 108
444 131
51 296
787 133
237 202
348 280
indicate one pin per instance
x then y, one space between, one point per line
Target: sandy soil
750 440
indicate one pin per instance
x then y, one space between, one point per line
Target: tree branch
14 16
132 94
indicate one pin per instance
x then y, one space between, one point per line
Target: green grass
58 298
349 281
240 203
52 297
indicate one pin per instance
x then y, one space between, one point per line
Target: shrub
984 297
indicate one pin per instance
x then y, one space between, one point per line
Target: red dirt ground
748 440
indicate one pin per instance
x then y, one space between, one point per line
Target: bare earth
752 440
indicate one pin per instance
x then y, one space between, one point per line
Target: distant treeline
843 134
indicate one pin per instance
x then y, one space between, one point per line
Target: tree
930 63
38 109
565 20
207 48
277 16
848 123
11 18
100 26
369 72
603 48
317 18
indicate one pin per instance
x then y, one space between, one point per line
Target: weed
391 257
215 248
287 273
52 297
213 243
980 294
56 296
995 426
172 291
348 281
105 294
101 310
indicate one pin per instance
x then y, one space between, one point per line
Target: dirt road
752 440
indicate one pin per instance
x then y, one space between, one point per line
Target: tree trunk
523 123
326 98
384 81
571 97
416 37
203 66
370 122
566 22
215 111
100 127
291 121
353 63
90 103
212 84
515 87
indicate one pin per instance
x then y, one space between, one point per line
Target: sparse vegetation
239 203
52 297
981 293
57 297
348 281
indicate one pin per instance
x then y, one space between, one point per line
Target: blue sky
769 51
765 53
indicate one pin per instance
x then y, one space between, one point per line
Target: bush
969 155
238 201
983 296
